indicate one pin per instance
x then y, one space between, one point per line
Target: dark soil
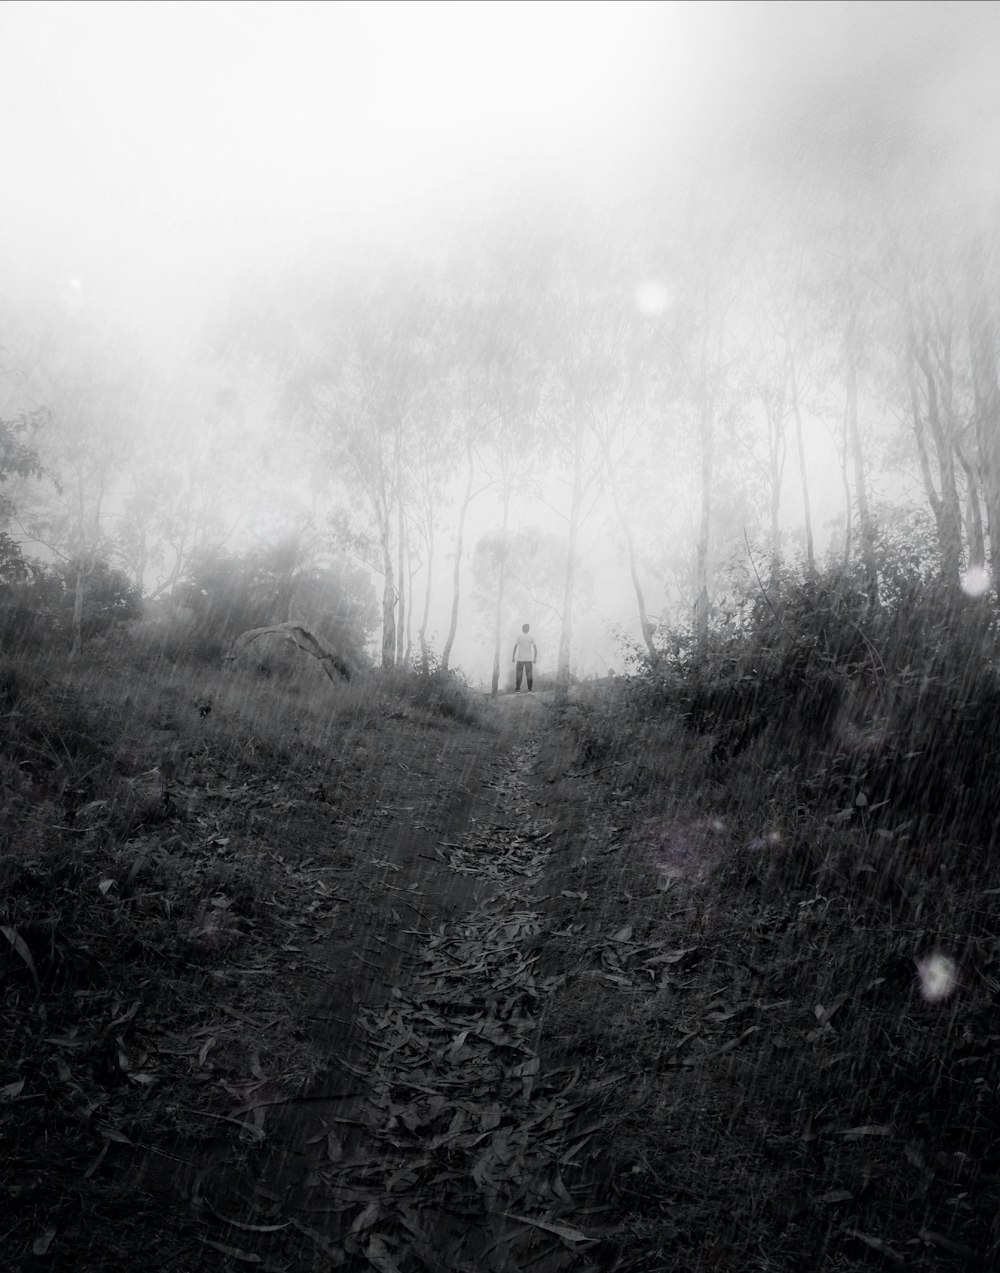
241 1180
488 1007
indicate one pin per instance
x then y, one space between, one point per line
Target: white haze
156 156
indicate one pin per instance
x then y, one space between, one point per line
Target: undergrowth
157 828
808 805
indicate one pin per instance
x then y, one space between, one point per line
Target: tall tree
986 385
359 355
92 392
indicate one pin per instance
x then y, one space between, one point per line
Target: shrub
891 694
37 601
434 692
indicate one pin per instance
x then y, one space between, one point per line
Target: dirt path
433 1140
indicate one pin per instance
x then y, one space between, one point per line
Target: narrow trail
434 1140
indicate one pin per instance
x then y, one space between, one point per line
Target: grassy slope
159 893
789 1098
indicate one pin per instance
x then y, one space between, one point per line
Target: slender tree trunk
801 452
775 518
923 456
986 391
640 599
852 438
703 588
422 632
501 588
845 458
569 581
401 615
410 575
388 592
945 505
459 542
973 512
142 559
76 643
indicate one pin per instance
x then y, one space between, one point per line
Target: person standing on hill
524 656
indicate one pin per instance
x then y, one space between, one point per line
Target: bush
226 596
891 695
37 601
435 692
167 637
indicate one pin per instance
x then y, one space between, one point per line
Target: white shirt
525 650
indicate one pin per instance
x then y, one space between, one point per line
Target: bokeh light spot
976 581
938 977
652 299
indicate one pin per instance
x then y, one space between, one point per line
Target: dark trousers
523 666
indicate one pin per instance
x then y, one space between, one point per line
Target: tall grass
844 745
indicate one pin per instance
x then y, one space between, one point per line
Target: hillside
404 981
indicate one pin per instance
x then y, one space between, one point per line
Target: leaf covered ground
390 991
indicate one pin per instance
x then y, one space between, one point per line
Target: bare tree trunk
142 559
852 439
640 599
411 571
986 391
422 631
401 615
501 588
459 541
703 590
388 592
923 456
569 581
801 451
776 452
775 529
973 512
848 500
945 505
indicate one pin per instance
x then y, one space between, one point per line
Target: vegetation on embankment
805 808
166 843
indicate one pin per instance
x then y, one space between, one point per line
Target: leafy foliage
37 601
894 693
18 457
230 594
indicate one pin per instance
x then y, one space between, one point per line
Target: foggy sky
154 152
159 160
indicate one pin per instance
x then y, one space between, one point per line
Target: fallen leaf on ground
367 1218
876 1244
948 1244
868 1129
377 1255
41 1244
560 1230
17 941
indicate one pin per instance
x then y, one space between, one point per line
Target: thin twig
763 591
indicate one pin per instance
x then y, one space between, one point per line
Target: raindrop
938 977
